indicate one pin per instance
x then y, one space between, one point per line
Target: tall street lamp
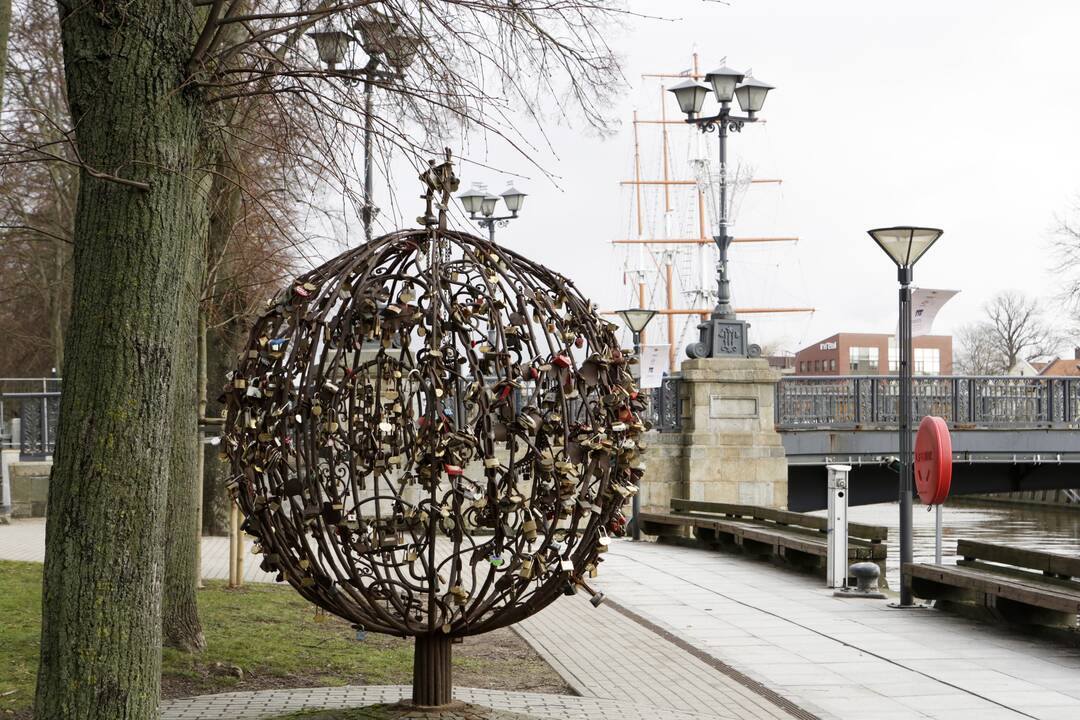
477 200
636 319
723 335
385 44
905 245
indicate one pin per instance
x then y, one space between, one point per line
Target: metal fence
850 401
664 409
35 403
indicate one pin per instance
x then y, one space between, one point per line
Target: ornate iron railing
850 401
36 404
665 405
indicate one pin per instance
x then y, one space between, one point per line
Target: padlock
603 542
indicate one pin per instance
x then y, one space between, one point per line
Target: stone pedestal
728 450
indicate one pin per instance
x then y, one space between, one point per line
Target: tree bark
101 601
179 608
432 679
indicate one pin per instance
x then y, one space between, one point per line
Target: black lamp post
636 319
905 245
723 335
385 44
477 200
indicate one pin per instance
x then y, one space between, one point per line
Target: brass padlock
603 542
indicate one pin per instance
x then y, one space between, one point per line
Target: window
927 361
802 366
863 360
832 365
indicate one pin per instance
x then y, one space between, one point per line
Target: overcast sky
961 115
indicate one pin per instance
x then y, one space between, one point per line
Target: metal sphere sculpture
432 436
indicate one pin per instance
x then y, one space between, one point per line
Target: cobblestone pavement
842 658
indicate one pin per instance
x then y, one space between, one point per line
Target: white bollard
837 560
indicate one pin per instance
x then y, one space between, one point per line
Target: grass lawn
266 636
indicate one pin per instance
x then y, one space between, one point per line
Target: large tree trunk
101 603
179 609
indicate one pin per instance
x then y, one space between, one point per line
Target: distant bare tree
977 351
1019 328
1065 245
37 200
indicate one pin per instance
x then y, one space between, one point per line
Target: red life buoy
933 460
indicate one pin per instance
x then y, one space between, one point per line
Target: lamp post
477 200
905 245
384 44
723 335
636 319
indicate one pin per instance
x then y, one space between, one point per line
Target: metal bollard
837 558
866 576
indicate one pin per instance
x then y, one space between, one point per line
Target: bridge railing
35 402
664 409
866 400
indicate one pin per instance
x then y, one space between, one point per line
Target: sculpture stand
376 411
432 675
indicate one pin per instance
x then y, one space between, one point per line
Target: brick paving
620 668
833 657
270 703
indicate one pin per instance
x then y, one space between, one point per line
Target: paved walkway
694 634
842 658
621 668
270 703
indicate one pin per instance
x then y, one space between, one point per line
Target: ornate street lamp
723 335
477 200
636 319
384 43
332 45
905 245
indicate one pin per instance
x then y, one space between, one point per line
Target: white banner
926 303
652 365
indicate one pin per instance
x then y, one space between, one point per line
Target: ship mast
662 251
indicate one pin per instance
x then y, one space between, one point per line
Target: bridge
1009 433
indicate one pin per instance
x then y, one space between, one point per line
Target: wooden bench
798 539
1004 583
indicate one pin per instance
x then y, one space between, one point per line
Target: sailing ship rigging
668 253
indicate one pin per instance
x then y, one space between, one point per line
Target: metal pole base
912 606
853 593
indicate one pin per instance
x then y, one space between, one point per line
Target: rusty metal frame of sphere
430 433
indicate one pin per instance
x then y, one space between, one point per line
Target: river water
1025 526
